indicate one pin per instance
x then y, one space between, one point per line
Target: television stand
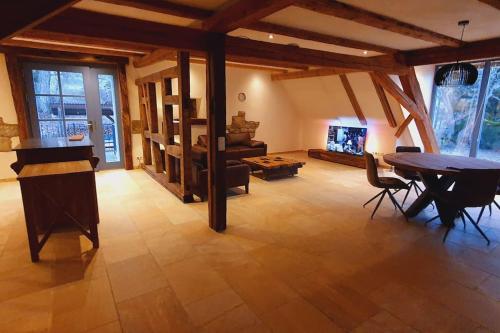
342 158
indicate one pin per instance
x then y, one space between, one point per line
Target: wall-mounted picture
349 140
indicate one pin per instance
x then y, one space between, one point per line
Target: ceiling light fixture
365 52
459 73
271 36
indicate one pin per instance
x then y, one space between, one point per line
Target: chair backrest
475 188
371 170
408 149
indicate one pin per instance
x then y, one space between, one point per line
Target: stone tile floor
299 255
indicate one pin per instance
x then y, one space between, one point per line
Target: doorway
70 100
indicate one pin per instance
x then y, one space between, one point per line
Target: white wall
8 113
322 101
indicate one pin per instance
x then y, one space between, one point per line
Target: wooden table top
52 143
437 163
272 162
56 168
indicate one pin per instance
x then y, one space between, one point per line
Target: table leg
434 184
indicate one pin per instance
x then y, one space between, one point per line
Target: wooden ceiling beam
359 15
318 72
483 49
62 37
492 3
65 48
404 125
165 7
354 101
109 28
62 56
241 13
386 107
21 15
317 37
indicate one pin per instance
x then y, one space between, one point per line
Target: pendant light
459 73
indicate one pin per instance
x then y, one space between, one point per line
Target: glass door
69 100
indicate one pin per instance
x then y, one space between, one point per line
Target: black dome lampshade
459 73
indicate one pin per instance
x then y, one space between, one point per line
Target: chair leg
480 214
397 205
489 207
432 219
446 233
246 188
407 192
378 203
496 204
476 226
463 218
375 197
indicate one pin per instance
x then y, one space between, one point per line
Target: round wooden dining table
437 172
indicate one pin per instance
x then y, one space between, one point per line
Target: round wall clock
242 97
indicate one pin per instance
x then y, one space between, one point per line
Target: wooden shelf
171 99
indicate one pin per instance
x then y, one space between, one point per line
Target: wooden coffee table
273 166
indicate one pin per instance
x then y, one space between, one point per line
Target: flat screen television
349 140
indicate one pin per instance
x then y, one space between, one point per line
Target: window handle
90 125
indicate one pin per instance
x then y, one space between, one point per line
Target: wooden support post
403 126
18 94
424 125
184 100
352 98
145 133
125 115
385 103
216 117
168 128
152 116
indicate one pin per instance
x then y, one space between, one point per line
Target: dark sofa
238 146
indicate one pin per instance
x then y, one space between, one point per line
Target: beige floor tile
136 276
384 322
157 311
239 319
211 307
113 327
491 287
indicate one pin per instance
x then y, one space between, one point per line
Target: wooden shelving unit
170 166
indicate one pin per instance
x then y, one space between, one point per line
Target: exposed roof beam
41 45
20 15
241 13
317 37
110 28
483 49
492 3
309 73
365 17
165 7
61 37
386 107
353 99
403 126
62 56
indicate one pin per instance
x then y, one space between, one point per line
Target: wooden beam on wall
14 70
483 49
20 15
310 73
63 37
125 117
404 125
384 102
492 3
242 12
317 37
359 15
216 130
353 99
165 7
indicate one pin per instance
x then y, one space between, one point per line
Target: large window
466 119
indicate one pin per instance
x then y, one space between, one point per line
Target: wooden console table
58 188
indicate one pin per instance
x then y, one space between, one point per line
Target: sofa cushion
233 139
203 140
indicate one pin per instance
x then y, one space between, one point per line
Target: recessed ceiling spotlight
271 36
365 52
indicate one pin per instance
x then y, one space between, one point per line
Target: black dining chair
472 188
385 183
412 176
494 201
